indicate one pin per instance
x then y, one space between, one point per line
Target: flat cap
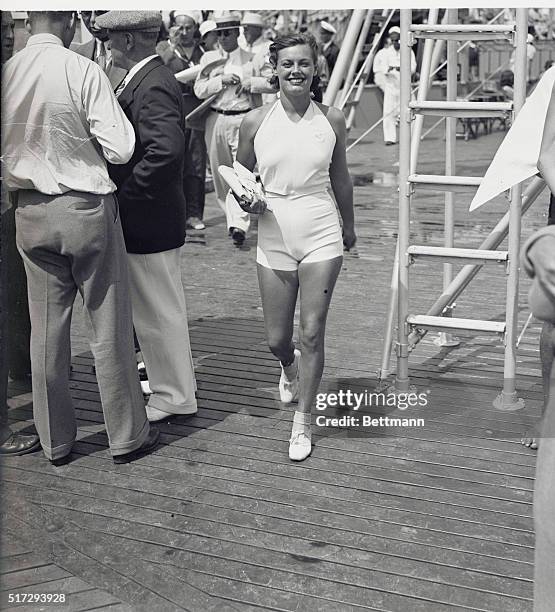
144 21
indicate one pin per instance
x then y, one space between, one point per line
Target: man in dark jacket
152 208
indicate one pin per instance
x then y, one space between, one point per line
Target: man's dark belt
231 112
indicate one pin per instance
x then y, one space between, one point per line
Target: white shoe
300 443
155 414
194 223
289 380
300 446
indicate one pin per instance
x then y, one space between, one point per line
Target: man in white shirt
387 64
15 326
235 82
254 42
251 39
60 123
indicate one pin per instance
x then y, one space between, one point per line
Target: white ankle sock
301 422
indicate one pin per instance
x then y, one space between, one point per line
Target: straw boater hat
144 21
328 27
227 21
253 19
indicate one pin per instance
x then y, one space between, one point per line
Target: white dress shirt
229 98
260 45
60 121
102 55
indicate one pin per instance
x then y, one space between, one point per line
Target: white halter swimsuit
301 222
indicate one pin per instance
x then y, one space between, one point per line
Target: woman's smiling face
295 69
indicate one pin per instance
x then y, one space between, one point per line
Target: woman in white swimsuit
299 146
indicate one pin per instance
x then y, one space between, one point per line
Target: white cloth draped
517 158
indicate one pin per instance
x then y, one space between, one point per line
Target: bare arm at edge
546 162
341 182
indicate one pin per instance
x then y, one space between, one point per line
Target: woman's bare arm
341 182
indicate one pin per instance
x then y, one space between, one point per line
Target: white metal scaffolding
411 328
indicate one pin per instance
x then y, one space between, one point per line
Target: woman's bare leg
278 290
316 281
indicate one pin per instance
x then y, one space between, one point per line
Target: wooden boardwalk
434 518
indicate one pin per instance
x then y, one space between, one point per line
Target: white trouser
391 97
222 139
160 320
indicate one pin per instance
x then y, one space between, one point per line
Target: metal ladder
411 327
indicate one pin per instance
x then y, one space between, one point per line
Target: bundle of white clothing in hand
244 185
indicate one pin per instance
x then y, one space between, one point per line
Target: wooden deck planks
32 572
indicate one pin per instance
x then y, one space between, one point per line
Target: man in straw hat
387 64
69 231
252 40
233 81
152 206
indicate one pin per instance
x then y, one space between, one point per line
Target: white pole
423 88
402 378
357 53
507 399
383 372
446 339
345 55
